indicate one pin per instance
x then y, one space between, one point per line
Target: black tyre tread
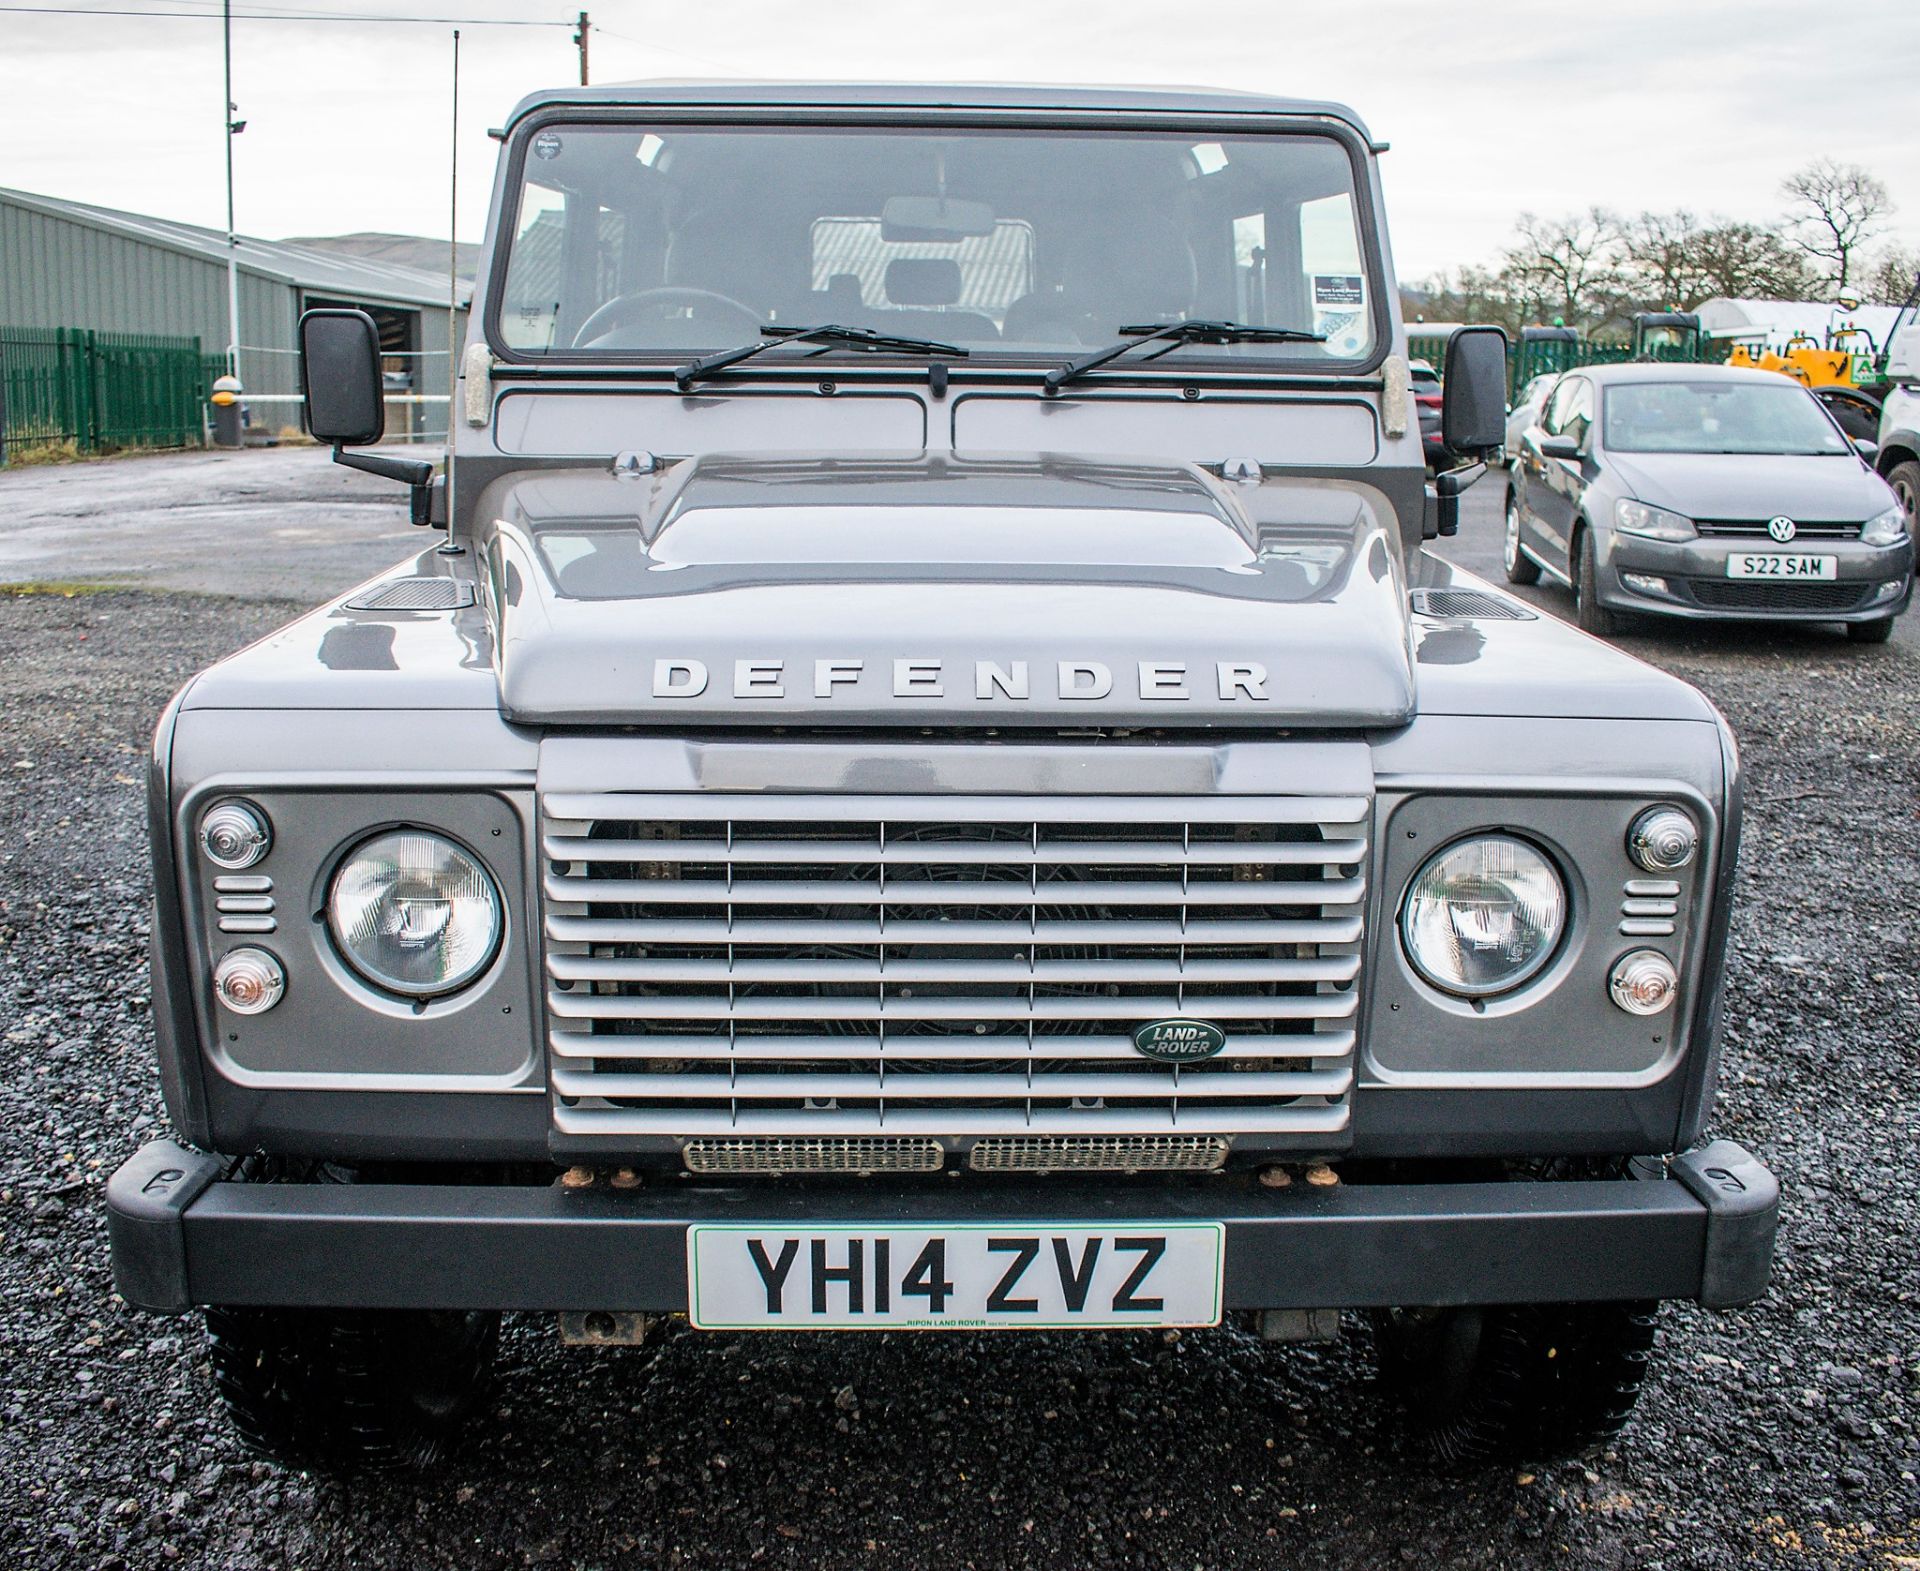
1545 1381
350 1388
1905 476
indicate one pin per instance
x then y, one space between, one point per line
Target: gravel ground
1779 1436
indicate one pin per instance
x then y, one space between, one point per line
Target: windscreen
1716 417
628 241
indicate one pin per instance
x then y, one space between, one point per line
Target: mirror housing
1473 407
1866 447
1559 447
941 219
340 376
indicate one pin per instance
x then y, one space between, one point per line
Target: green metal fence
100 391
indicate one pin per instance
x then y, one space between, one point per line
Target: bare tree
1746 262
1834 209
1565 266
1661 264
1888 277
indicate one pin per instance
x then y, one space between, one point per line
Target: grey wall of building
64 272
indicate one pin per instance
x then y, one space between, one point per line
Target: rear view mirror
1559 447
941 219
1473 408
340 375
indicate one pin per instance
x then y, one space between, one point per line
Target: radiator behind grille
833 966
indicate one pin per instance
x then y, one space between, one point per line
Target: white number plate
957 1276
1779 564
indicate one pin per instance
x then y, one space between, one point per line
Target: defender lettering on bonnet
1163 680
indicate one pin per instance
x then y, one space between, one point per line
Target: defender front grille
958 966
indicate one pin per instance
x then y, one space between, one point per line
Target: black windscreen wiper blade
830 335
1174 335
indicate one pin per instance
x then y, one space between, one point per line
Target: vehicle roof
1675 371
996 96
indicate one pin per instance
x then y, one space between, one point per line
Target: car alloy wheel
1521 568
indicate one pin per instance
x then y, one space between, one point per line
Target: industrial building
69 265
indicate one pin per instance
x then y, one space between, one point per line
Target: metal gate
98 391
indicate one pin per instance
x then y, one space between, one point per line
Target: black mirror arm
414 472
1447 489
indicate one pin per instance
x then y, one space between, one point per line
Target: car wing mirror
340 375
346 398
1559 447
1866 447
1473 405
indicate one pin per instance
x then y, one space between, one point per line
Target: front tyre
1521 568
1877 631
1590 615
342 1389
1506 1382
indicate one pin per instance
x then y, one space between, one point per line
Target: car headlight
1652 523
1483 915
414 913
1888 528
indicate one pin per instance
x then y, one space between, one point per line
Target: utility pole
453 258
233 128
580 38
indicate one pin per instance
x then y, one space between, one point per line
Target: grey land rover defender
926 780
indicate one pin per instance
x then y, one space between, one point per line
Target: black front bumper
181 1236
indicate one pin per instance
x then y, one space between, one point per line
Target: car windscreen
1715 417
632 241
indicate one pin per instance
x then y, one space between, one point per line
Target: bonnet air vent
1468 604
414 594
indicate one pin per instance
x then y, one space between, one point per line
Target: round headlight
1483 915
235 834
414 913
1663 840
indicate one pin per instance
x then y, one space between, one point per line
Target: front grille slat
611 1050
927 892
840 967
597 968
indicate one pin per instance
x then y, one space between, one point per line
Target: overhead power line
279 16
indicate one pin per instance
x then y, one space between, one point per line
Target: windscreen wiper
1174 335
828 336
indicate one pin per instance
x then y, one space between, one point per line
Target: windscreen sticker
1337 289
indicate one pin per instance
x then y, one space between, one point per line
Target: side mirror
1866 447
1473 405
340 375
1559 447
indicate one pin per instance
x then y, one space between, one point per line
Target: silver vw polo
1707 492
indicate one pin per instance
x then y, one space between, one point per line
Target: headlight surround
1650 522
1883 529
1483 915
414 913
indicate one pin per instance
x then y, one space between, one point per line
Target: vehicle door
1556 484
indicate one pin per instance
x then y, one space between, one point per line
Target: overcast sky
1492 106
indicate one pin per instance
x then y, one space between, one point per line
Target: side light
1663 840
235 834
1644 982
249 981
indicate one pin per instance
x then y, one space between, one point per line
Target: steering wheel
620 310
